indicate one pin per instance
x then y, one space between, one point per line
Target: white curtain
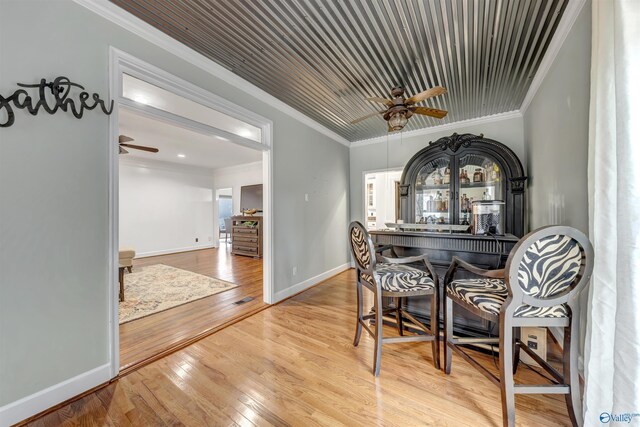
612 353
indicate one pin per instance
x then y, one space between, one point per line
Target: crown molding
140 28
135 25
573 9
440 128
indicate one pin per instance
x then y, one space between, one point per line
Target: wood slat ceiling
323 57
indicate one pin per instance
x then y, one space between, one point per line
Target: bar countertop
445 235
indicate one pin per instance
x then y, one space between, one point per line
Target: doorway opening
224 197
381 198
182 161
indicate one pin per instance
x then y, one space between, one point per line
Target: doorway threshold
133 366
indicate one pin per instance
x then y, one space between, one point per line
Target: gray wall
53 195
374 156
556 129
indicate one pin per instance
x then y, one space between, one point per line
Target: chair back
362 248
549 266
227 224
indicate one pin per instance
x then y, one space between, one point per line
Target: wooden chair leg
448 332
516 350
356 340
507 386
130 268
399 321
435 328
377 350
121 280
570 371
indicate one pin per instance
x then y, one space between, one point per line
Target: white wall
165 207
378 156
53 202
235 177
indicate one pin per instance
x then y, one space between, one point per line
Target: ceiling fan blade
432 112
122 150
124 138
386 102
140 147
429 93
366 117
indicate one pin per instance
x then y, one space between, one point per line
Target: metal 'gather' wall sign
60 89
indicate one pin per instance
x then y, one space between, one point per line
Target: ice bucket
487 217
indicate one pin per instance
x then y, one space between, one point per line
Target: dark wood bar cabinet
437 190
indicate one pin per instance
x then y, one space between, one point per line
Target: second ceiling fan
124 139
400 109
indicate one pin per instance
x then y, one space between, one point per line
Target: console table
483 251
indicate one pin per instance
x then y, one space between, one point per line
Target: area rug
159 287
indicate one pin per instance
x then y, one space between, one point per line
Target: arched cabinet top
467 143
454 148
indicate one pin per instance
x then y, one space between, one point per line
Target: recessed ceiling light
245 133
182 156
140 98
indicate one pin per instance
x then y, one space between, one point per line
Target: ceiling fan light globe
397 121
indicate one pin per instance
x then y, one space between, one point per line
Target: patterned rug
158 287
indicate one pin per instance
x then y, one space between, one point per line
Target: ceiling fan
400 109
122 141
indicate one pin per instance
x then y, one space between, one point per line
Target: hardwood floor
149 336
294 364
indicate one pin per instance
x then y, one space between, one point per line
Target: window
225 208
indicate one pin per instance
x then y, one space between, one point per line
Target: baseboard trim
25 408
174 251
558 334
22 411
303 286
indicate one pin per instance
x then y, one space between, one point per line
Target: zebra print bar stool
392 278
539 286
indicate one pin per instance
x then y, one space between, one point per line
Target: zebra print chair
544 274
392 277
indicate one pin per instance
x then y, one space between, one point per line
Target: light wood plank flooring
146 337
294 364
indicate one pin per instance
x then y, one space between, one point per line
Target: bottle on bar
437 177
438 202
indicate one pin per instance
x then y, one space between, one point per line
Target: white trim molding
28 406
573 9
168 166
440 128
286 293
174 250
121 62
140 28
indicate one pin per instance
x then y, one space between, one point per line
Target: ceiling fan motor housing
397 91
398 108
